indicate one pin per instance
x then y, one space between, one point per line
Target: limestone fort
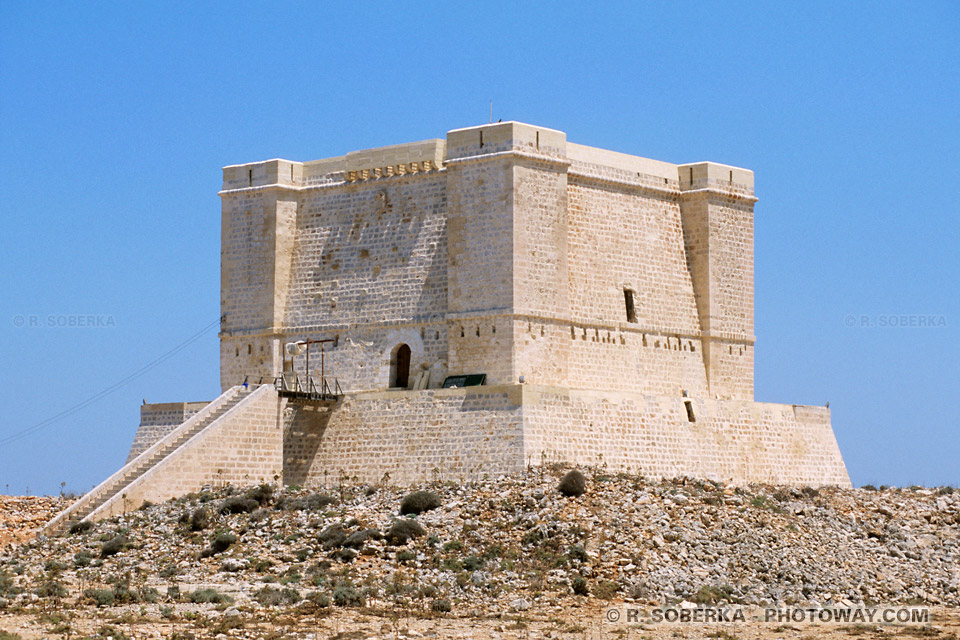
473 305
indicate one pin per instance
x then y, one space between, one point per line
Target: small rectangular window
631 310
689 407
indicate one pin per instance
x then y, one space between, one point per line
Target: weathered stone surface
607 298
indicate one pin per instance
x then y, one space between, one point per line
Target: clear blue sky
115 119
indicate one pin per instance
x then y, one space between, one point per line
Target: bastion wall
608 298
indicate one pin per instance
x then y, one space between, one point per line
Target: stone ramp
149 459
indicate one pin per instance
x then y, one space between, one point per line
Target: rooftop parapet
381 162
503 137
714 176
398 159
259 174
484 140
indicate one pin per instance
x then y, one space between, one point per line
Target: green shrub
291 576
441 606
405 555
577 552
51 589
782 494
261 565
345 555
418 502
7 587
711 595
473 563
262 494
314 502
322 600
606 590
112 546
82 559
80 527
333 536
210 595
402 531
573 484
271 597
358 538
579 585
222 541
54 566
239 505
346 595
100 597
200 519
111 632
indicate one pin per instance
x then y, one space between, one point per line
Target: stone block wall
508 250
729 440
405 437
480 266
408 437
717 202
157 420
411 436
242 447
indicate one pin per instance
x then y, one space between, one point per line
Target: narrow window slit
628 301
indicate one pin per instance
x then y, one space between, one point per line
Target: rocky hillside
22 516
509 544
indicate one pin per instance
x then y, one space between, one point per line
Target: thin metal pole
308 366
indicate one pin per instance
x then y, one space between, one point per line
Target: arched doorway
400 368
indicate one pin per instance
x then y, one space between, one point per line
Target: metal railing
292 385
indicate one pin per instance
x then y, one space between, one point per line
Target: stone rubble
22 516
508 545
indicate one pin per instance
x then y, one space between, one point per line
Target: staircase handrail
187 424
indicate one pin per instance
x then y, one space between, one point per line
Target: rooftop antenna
491 112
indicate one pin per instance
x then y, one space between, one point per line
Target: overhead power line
117 385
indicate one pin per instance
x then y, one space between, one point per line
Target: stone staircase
147 460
